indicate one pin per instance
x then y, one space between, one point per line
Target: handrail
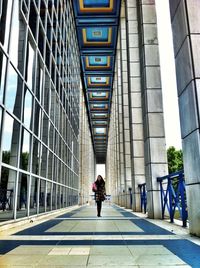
173 196
143 197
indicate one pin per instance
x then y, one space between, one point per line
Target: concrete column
154 136
120 124
113 151
186 34
125 107
135 102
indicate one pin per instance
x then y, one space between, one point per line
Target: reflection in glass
36 156
37 119
39 82
42 195
51 136
58 197
65 197
22 194
33 196
0 119
7 189
45 131
27 112
14 39
10 140
25 153
55 171
49 186
5 22
13 92
2 74
50 166
30 66
47 92
62 196
54 197
43 171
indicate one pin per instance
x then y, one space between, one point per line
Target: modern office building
39 107
80 85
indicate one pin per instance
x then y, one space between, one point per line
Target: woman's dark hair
101 181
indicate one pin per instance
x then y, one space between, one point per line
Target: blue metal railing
143 197
173 195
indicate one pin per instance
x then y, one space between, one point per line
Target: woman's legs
99 208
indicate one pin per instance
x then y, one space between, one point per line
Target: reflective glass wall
39 107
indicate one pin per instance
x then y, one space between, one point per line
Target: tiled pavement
78 238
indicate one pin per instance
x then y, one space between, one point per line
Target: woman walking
100 193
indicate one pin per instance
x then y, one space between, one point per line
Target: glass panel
42 196
62 197
10 140
0 122
14 40
50 166
36 156
54 197
55 168
7 188
47 92
2 74
39 81
25 153
33 19
65 197
41 40
49 186
13 92
37 119
69 197
27 112
33 196
58 197
30 66
45 131
51 136
22 195
5 22
59 171
43 171
52 112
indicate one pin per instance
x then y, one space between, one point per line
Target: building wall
39 107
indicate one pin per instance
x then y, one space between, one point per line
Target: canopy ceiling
97 26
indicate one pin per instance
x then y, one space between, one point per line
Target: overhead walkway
77 238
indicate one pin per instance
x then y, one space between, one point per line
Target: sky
170 100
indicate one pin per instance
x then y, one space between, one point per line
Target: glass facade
39 107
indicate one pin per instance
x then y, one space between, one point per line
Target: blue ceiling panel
99 36
104 8
98 63
97 26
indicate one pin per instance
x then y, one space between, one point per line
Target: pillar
154 135
125 107
135 102
186 34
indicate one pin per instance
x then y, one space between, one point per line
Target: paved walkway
79 239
